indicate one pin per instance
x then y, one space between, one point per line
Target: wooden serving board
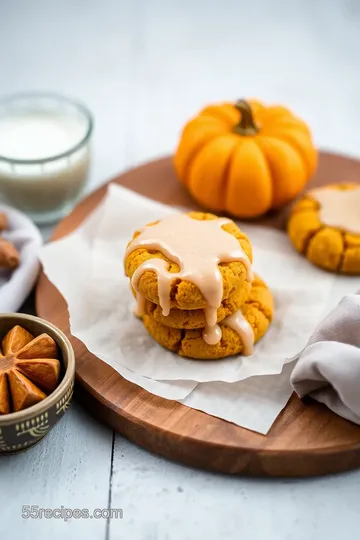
306 439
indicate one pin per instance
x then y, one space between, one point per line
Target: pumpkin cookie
257 313
191 319
185 294
324 226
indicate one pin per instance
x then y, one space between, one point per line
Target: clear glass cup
44 154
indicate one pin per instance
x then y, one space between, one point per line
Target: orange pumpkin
245 159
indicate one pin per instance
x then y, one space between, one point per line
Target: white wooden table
143 67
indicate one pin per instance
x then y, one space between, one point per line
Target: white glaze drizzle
339 208
197 247
237 322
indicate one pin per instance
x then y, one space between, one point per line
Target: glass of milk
44 154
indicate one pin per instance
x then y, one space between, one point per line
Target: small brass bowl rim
65 345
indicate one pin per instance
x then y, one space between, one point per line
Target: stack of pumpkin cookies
196 294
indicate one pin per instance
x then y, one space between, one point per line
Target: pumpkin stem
247 125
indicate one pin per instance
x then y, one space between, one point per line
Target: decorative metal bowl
21 430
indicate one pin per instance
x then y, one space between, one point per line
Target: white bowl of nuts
20 241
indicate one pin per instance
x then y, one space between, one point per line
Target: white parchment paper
87 268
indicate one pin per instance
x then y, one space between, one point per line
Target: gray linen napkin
328 369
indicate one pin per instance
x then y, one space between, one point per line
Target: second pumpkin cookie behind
324 226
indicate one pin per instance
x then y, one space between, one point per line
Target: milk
47 188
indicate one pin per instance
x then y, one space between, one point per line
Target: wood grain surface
306 439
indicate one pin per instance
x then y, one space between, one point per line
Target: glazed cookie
190 319
324 226
255 318
184 294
